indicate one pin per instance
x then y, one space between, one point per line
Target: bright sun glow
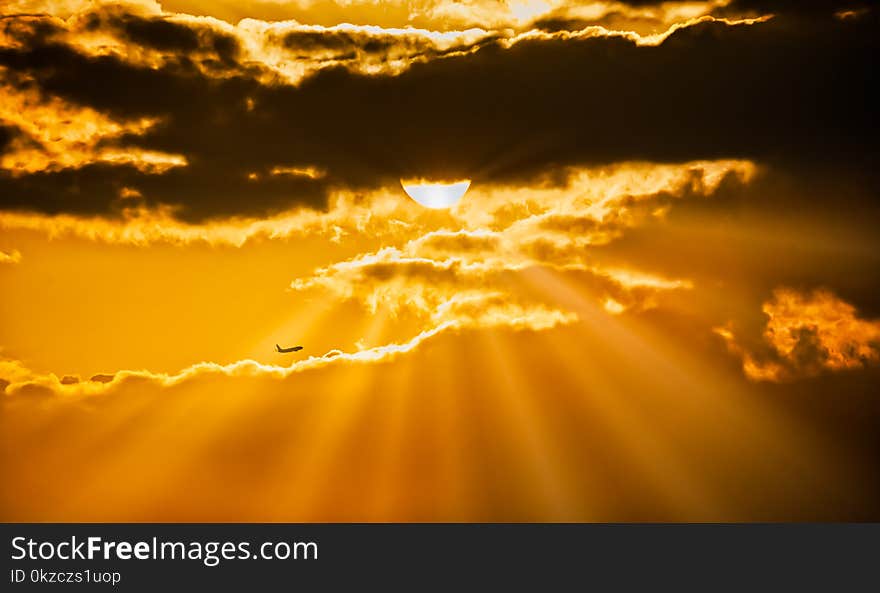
436 195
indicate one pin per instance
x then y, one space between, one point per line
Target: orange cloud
17 378
457 314
501 232
594 206
465 268
807 333
54 135
440 14
10 257
292 49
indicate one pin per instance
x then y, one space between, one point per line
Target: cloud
438 292
472 267
10 257
449 15
51 135
812 9
634 15
461 314
808 333
592 206
377 105
458 272
18 378
502 234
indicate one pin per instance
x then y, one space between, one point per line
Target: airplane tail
277 348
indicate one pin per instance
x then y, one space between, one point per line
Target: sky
656 301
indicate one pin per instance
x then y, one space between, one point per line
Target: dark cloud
808 355
30 30
803 8
614 21
164 35
790 93
343 42
156 33
793 228
203 190
7 133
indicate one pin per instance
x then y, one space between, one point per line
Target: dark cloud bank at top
794 92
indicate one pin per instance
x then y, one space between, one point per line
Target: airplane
286 350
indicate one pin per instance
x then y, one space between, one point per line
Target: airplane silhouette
285 350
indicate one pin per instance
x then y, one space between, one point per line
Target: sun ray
680 386
543 477
308 488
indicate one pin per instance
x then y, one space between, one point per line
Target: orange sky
580 338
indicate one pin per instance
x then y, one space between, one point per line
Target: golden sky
655 301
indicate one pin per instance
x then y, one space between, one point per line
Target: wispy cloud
10 257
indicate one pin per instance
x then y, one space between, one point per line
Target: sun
435 195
